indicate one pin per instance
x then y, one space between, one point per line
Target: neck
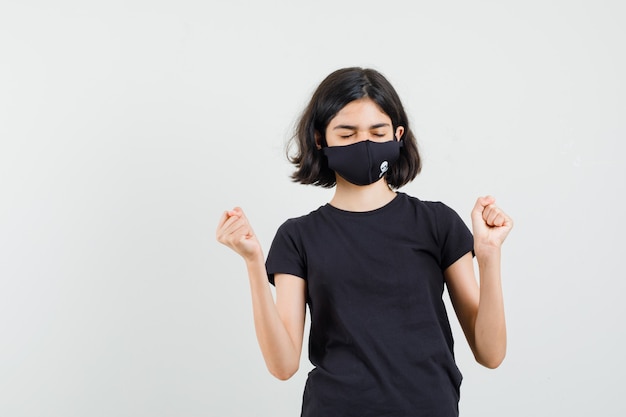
352 197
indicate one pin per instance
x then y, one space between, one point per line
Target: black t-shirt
380 338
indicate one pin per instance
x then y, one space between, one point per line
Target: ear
318 140
399 132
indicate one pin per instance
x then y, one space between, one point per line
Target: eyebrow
349 127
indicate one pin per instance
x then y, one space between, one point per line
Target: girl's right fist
234 231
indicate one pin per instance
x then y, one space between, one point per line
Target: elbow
285 373
490 352
492 364
492 361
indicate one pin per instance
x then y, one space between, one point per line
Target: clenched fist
490 225
234 231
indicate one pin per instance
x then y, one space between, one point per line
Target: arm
480 308
279 325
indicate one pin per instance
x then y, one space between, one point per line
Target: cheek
334 140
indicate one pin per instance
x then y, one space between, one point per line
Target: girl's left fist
491 225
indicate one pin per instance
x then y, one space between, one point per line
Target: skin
279 323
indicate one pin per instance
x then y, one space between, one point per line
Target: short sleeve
286 254
455 238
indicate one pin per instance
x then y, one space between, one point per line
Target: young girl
371 265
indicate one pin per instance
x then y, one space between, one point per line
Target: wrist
254 259
486 253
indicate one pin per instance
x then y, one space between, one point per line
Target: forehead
361 111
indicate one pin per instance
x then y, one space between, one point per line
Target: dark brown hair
338 89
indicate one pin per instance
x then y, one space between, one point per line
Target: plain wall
128 127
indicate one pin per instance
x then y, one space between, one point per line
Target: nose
363 135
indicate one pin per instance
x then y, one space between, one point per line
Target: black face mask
364 162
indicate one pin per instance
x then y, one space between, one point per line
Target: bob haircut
338 89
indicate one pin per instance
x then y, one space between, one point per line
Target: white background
127 127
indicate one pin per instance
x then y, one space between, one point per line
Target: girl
371 265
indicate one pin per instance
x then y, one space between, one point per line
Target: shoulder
306 218
437 216
432 208
293 224
293 237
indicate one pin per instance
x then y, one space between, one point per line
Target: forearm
281 355
490 325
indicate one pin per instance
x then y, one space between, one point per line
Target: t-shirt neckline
380 209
